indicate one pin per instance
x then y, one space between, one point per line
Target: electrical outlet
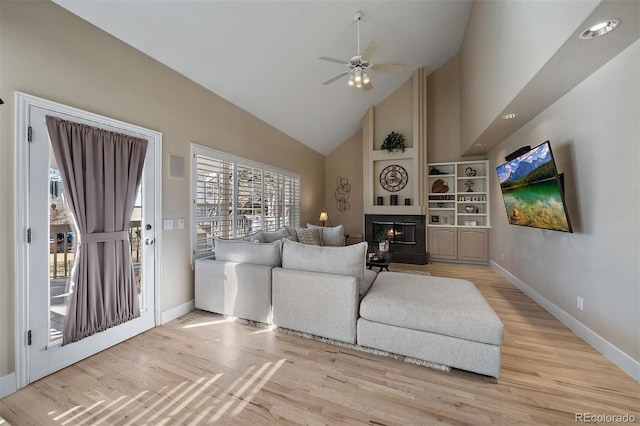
180 223
580 303
167 224
502 257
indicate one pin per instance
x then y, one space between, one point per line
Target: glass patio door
52 250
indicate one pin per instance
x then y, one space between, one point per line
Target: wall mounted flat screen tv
533 192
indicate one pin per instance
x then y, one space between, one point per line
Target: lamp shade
323 217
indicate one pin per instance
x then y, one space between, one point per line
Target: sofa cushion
348 260
446 306
309 236
272 236
256 237
267 254
331 235
369 277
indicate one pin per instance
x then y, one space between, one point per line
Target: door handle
149 241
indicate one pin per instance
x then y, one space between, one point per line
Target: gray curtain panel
100 172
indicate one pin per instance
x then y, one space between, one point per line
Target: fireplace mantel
394 210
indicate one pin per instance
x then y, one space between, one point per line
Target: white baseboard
178 311
8 385
615 355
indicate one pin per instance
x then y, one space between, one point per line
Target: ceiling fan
359 64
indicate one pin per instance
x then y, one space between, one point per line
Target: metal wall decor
342 194
469 184
394 178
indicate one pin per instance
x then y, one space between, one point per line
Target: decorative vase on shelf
470 209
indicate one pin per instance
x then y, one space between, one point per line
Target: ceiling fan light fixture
357 66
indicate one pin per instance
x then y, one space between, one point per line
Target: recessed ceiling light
509 116
600 29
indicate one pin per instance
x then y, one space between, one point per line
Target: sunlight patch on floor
191 402
204 324
87 410
71 410
267 329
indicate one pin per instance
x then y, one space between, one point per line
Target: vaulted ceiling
263 55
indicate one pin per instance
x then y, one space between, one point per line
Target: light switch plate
167 224
180 223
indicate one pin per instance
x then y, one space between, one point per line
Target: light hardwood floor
202 369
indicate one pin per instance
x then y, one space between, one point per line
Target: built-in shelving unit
458 211
458 194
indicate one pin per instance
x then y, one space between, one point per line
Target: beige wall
443 112
596 145
395 113
48 52
346 161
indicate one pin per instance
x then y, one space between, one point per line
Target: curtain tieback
101 237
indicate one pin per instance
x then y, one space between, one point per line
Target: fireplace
406 235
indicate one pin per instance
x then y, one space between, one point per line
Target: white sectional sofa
442 320
327 292
318 289
238 281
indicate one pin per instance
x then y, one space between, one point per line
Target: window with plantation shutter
291 197
249 208
234 197
213 202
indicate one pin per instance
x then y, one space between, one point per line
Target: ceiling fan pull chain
358 35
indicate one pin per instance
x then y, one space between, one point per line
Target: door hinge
29 235
29 338
29 134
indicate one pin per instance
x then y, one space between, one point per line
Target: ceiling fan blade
388 67
367 86
331 80
337 61
371 50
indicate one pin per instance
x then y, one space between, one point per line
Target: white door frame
21 216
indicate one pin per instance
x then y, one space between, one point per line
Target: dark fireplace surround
406 235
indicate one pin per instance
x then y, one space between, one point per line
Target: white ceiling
262 55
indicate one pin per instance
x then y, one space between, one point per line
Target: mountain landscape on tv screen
531 191
534 166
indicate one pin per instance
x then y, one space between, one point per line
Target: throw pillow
268 254
271 236
292 232
348 260
331 236
309 236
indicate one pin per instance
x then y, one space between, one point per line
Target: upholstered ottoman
442 320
